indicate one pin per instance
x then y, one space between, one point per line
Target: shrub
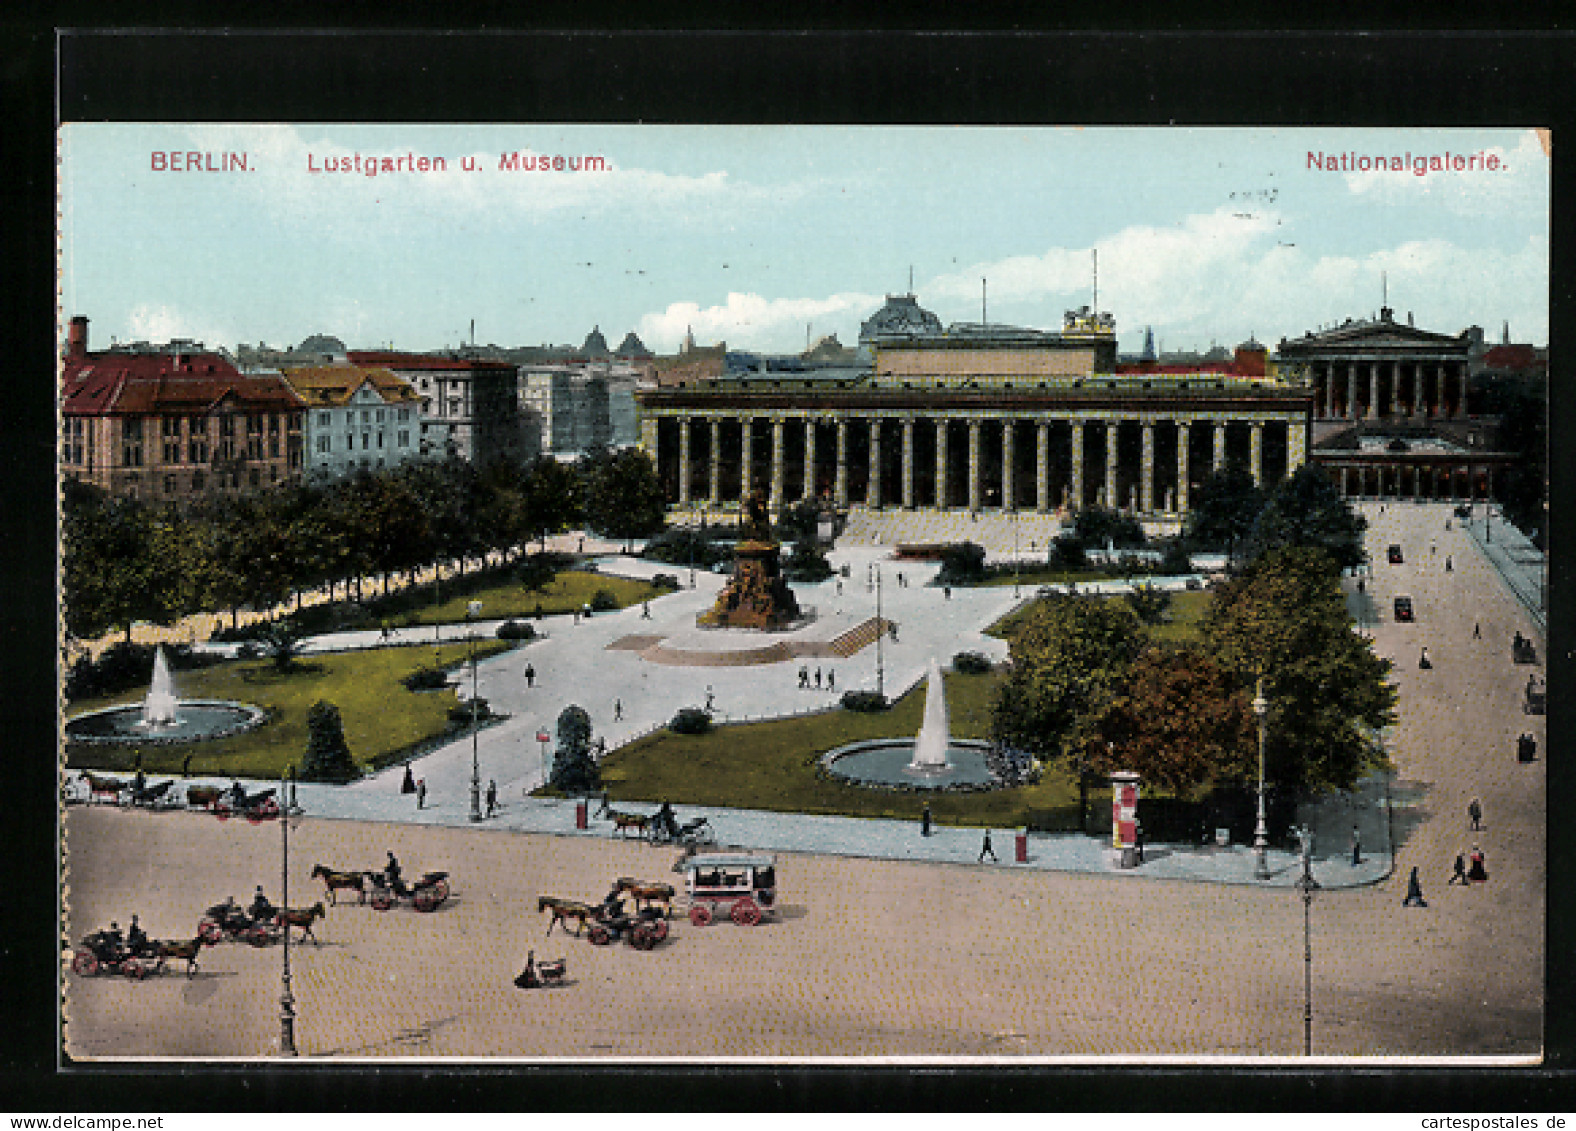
603 601
516 630
867 702
971 663
961 563
690 720
1149 603
249 651
1175 559
574 769
684 546
665 581
807 563
461 712
327 754
426 679
1097 526
1067 553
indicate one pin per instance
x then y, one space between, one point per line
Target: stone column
1296 445
1373 391
1417 388
746 455
648 437
1183 436
1256 452
1078 464
873 488
1461 391
1218 456
840 490
684 461
1009 481
941 463
1329 390
1351 390
809 458
1111 430
777 499
1042 467
908 463
716 460
974 465
1146 470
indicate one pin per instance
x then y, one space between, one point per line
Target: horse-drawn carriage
661 827
103 952
153 795
255 807
744 887
1523 650
634 910
229 920
102 789
1537 697
426 894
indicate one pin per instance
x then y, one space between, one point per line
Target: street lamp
472 611
287 1012
1307 885
1016 569
880 632
1261 837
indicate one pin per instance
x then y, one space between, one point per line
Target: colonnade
1389 388
1140 461
1452 481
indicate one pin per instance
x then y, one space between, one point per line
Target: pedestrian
1459 876
1475 813
575 613
618 710
804 676
831 679
421 794
539 610
1448 566
1357 848
987 850
530 675
892 630
409 784
186 766
946 591
601 749
1423 661
839 588
924 820
1477 631
580 549
1414 892
1476 872
492 797
645 610
1359 585
900 582
818 679
711 697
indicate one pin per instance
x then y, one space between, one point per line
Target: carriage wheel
85 963
209 931
442 890
426 900
700 914
600 935
222 814
659 929
640 938
745 913
257 936
382 901
134 969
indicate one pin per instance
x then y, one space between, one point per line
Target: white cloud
750 321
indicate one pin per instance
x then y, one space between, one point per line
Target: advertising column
1124 816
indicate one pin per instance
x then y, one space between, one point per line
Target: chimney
77 338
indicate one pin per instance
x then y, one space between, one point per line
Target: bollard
580 814
1021 848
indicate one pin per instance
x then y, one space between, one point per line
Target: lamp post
471 612
1307 885
1016 568
1261 838
287 1013
880 632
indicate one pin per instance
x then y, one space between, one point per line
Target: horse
333 881
645 894
564 910
202 796
623 822
301 919
99 788
186 950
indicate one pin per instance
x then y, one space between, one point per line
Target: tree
1069 657
574 769
1149 603
1306 509
623 497
1224 508
1180 723
283 643
962 563
122 563
1285 619
1097 527
327 754
802 523
553 497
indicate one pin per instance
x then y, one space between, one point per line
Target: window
197 481
324 419
169 484
366 441
255 477
350 418
273 424
366 416
197 426
380 439
131 429
227 425
404 415
172 425
380 416
254 425
172 451
325 443
404 438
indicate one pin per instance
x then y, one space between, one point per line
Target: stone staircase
860 636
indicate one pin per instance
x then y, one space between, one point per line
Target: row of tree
125 560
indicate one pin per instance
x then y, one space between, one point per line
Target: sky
765 237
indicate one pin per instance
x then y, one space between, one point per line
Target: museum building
977 416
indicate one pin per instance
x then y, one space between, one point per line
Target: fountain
930 748
158 709
931 760
162 716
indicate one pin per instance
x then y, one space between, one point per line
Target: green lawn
773 765
567 592
381 718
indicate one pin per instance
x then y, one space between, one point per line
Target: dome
901 317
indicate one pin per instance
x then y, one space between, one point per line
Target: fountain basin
884 763
196 720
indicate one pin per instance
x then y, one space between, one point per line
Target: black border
1484 77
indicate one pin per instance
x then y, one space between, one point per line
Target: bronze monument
756 596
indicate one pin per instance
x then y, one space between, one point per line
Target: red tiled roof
335 384
1516 356
141 384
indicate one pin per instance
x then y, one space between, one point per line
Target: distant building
318 349
582 405
356 418
174 423
470 408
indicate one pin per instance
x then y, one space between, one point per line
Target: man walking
831 679
530 675
1459 876
1475 814
421 794
924 820
818 679
1414 892
1357 848
618 710
492 797
987 850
